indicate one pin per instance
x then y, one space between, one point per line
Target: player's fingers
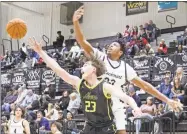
30 41
41 42
34 40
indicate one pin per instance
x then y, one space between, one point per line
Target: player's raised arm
177 106
73 80
122 96
78 32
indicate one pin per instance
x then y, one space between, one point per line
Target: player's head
92 66
19 111
115 49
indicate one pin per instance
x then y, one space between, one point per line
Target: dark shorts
110 129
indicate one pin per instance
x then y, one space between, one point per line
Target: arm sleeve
131 73
98 53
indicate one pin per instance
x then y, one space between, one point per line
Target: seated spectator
182 78
165 86
35 57
148 50
8 100
60 117
8 59
162 43
70 125
177 89
162 50
56 128
45 98
29 99
42 122
133 94
149 107
75 51
64 101
64 51
50 89
151 30
134 31
180 49
53 113
22 92
74 103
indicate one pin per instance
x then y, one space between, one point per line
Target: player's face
87 69
18 112
114 49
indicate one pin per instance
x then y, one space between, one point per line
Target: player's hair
122 45
22 110
98 64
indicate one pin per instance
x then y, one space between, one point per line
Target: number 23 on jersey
90 106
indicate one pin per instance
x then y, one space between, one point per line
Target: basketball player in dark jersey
95 94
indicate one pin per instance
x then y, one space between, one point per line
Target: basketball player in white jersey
115 74
18 125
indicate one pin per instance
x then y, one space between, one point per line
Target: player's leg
120 116
88 130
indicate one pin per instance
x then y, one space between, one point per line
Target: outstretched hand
78 13
176 105
36 46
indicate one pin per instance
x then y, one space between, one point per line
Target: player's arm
120 94
78 32
73 80
26 126
149 89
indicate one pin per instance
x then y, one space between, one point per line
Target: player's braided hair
97 63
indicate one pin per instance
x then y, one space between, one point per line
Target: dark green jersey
96 103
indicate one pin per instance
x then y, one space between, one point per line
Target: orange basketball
16 28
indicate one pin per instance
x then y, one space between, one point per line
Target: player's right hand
36 46
78 14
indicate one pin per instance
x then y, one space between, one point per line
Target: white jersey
115 75
16 127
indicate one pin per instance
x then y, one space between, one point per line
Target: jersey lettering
90 106
110 81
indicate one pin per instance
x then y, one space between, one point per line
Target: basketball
16 28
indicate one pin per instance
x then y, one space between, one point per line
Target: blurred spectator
74 103
22 92
180 49
133 94
182 78
50 89
162 50
45 98
127 33
60 117
165 86
134 31
59 40
8 58
53 113
23 52
29 99
56 128
64 101
34 56
177 89
75 51
148 50
149 107
64 51
70 124
42 122
8 100
12 108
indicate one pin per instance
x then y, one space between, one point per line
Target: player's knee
121 132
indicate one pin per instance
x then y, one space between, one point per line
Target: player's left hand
137 112
176 105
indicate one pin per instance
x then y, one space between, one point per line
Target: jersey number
112 81
90 106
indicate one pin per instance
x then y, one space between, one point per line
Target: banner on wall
161 65
33 78
167 5
136 7
142 67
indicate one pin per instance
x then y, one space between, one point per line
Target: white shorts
119 113
120 121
